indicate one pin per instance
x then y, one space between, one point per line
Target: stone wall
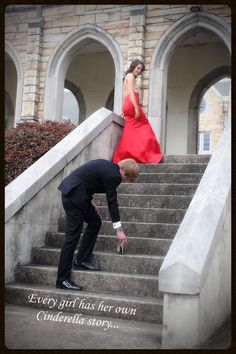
34 31
213 118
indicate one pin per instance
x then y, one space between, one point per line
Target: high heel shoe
120 248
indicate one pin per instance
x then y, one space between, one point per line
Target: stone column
32 70
136 34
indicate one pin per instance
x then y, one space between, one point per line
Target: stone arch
13 54
79 97
160 61
198 92
9 111
61 58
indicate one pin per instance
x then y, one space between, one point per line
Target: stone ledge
35 23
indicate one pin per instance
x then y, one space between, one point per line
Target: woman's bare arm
130 90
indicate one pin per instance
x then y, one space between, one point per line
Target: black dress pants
75 217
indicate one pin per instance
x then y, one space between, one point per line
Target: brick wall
136 31
213 118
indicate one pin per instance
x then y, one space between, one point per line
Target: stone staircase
151 211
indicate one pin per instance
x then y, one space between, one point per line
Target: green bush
28 142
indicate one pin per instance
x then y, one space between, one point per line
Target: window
204 143
203 106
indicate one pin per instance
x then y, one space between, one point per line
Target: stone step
135 229
157 189
147 201
136 245
108 262
182 178
108 243
148 215
173 168
170 216
135 308
128 263
151 210
120 283
191 158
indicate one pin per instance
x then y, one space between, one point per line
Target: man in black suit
96 176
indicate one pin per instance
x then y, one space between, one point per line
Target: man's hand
95 206
121 237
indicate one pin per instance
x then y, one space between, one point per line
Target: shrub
28 142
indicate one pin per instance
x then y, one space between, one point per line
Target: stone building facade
212 118
87 48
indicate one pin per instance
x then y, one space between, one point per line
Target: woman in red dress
138 140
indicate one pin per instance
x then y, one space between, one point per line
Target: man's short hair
130 167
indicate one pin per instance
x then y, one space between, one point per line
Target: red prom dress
138 140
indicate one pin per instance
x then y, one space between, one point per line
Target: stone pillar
32 70
136 34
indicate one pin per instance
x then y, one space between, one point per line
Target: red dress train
138 140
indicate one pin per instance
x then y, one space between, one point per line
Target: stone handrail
195 276
33 202
184 269
32 180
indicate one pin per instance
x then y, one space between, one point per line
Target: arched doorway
195 102
92 70
175 70
10 92
13 84
197 55
9 112
213 115
75 91
79 46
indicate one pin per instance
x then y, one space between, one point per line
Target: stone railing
32 201
196 273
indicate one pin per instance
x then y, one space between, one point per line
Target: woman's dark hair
133 65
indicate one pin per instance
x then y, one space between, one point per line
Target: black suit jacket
96 176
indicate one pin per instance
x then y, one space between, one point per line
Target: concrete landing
24 331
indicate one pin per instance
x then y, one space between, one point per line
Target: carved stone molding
13 54
162 54
61 57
